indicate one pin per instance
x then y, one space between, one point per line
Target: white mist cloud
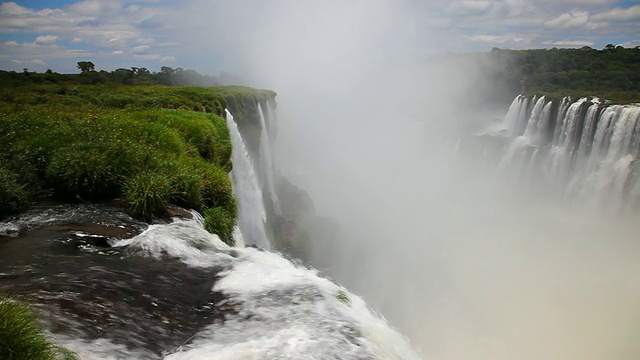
368 122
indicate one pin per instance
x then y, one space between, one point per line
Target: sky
56 34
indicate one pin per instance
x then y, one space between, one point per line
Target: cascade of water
588 132
286 310
251 211
272 122
562 110
523 116
590 157
559 164
533 123
267 161
511 119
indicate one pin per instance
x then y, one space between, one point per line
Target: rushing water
462 274
251 212
110 287
178 292
583 151
267 160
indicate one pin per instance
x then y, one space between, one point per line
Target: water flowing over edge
584 151
284 310
251 211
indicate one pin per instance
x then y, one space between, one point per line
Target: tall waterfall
584 150
251 211
266 160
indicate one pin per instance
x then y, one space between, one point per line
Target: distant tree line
613 71
133 76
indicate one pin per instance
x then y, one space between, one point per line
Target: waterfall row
585 150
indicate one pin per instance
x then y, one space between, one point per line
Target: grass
22 338
13 196
150 145
220 221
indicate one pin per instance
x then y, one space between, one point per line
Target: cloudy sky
55 34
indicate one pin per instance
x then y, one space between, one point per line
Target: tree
86 66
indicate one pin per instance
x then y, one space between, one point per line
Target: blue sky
55 34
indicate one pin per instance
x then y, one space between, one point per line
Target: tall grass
22 338
150 145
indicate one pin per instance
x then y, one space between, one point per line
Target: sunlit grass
22 338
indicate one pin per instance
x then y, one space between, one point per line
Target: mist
448 250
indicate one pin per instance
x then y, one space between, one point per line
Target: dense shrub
147 194
13 196
217 188
21 337
89 171
150 144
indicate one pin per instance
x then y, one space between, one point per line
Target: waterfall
586 153
251 211
266 161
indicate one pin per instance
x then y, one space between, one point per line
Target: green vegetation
612 73
220 221
21 337
133 76
13 196
150 145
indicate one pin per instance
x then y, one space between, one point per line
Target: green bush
13 196
21 337
221 222
198 184
217 188
88 171
98 142
147 194
186 182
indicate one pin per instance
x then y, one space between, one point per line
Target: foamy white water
587 153
266 161
282 310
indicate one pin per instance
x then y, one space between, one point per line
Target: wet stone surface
61 261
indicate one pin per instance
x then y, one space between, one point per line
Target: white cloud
146 41
470 7
631 44
140 49
569 43
11 8
95 7
619 14
30 62
497 39
574 19
148 56
46 39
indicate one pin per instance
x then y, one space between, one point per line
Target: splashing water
587 153
251 210
266 161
